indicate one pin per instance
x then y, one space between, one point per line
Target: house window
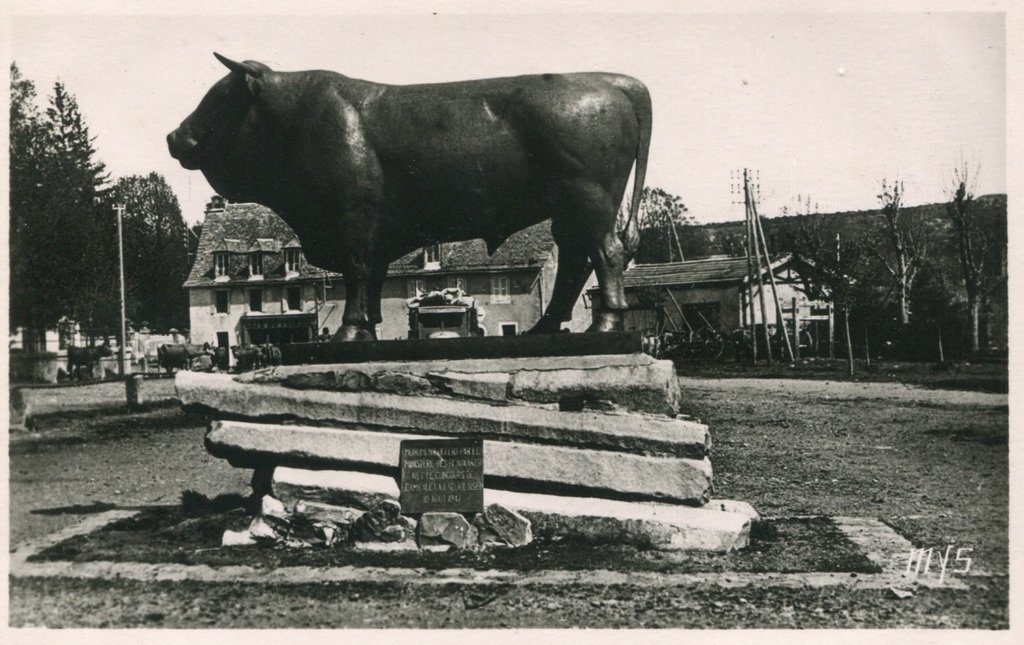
432 256
509 329
255 264
294 298
220 264
255 299
455 282
222 301
499 289
291 260
414 288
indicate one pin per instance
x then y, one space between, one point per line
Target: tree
903 244
29 307
61 254
155 250
667 234
840 265
981 242
83 224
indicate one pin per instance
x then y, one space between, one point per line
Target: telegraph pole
120 254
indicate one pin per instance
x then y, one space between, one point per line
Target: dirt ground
931 463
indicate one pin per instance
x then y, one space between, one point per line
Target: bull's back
461 149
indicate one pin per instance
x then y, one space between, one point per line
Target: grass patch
190 534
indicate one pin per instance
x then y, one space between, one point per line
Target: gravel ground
930 465
109 603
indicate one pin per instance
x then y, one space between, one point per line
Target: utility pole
771 278
748 307
753 240
120 254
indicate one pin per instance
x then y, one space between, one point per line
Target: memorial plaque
442 475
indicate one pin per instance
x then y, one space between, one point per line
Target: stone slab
629 381
468 347
662 526
507 464
335 488
634 433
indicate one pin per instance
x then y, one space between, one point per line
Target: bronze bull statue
365 173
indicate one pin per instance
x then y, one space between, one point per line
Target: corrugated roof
241 227
705 271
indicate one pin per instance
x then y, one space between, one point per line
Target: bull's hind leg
572 274
607 255
596 209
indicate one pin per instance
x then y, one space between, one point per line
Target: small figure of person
324 336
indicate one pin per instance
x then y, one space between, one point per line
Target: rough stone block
270 507
446 528
328 514
489 386
650 387
635 433
507 525
333 487
541 467
382 522
401 383
261 530
733 506
237 538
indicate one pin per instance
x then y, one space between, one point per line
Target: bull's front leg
363 277
356 321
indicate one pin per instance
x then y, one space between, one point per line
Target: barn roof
241 228
693 272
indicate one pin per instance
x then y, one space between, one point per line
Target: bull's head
219 138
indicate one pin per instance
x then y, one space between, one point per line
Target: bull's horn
241 68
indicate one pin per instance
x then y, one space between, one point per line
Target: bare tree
839 264
980 241
903 244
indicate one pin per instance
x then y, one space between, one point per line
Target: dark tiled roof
712 270
239 227
530 247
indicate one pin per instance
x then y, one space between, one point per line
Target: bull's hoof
352 332
607 321
546 325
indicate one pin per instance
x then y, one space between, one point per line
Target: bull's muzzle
184 149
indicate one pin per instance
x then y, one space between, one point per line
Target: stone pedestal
580 445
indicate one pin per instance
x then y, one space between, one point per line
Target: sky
820 104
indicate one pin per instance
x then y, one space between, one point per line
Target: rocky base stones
311 524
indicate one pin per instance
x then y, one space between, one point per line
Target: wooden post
133 391
942 355
849 342
867 347
831 331
771 279
796 330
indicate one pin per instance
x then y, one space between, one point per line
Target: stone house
251 283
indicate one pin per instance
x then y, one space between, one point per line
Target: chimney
216 204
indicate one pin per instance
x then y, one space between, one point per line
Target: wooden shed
712 294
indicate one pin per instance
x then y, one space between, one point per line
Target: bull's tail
638 95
